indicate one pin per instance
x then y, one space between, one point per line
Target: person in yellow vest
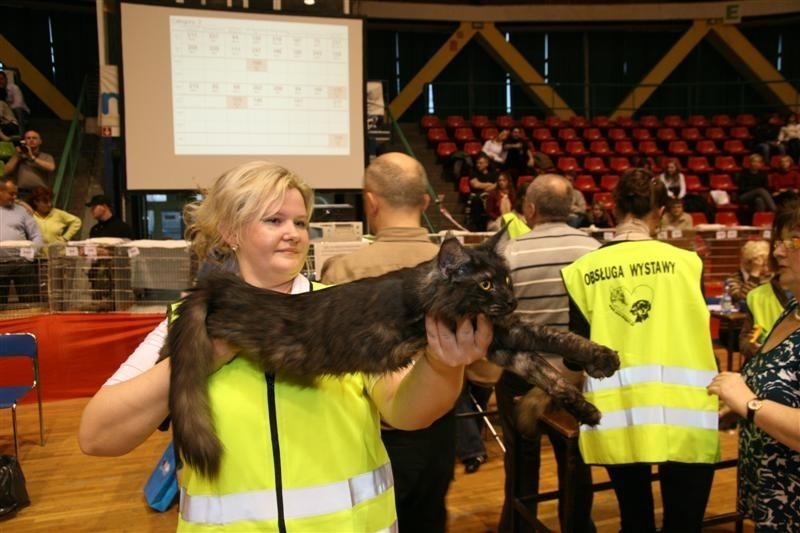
766 302
297 457
643 298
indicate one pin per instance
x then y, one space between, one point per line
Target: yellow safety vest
765 308
644 299
516 226
309 456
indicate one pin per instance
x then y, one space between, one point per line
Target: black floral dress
769 472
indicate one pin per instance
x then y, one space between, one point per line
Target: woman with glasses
767 396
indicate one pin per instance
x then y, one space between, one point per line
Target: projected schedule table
252 87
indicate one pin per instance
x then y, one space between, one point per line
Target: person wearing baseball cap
108 224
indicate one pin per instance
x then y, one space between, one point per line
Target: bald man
395 196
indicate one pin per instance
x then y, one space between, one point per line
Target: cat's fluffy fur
373 325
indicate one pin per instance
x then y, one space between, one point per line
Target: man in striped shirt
536 259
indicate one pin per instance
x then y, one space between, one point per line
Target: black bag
13 495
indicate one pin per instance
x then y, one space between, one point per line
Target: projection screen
205 90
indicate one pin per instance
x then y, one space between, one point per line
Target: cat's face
478 279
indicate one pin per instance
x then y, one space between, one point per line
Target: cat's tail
191 355
529 409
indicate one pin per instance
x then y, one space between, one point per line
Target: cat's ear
452 256
499 240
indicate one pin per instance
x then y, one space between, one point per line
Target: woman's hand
732 391
461 347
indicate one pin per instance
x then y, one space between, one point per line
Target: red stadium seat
746 119
722 182
726 218
723 121
601 121
605 198
698 218
464 134
524 180
505 122
609 181
694 185
715 133
763 219
649 147
619 164
672 121
528 122
455 121
691 134
601 148
445 149
489 133
666 134
697 121
706 147
735 147
586 184
641 134
624 121
699 165
479 122
550 148
679 149
726 163
437 135
568 164
567 134
575 148
625 148
617 134
649 121
553 122
592 134
740 132
473 148
595 166
430 121
578 122
542 134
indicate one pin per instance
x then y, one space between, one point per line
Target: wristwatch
752 406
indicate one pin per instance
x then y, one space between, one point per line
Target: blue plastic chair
21 345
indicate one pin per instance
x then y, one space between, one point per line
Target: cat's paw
586 413
601 362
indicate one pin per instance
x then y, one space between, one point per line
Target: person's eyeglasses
790 244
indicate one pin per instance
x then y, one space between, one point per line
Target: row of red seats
553 122
588 183
663 136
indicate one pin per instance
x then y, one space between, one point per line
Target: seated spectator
786 177
499 201
15 100
8 122
516 152
673 179
753 270
108 224
674 218
538 162
482 180
493 148
765 140
599 216
56 225
754 186
578 218
789 136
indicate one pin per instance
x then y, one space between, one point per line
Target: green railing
65 173
592 99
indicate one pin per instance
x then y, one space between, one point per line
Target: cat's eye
486 285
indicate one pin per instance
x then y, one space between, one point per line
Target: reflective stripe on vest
657 414
651 373
298 502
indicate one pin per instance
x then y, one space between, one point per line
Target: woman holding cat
297 456
635 292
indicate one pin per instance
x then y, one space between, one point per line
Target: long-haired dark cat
373 325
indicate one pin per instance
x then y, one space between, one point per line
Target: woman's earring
235 248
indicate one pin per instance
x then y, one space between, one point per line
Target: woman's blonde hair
238 197
752 250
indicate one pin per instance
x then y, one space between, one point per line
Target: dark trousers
527 456
422 465
684 492
26 281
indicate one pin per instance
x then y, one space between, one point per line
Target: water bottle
726 302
